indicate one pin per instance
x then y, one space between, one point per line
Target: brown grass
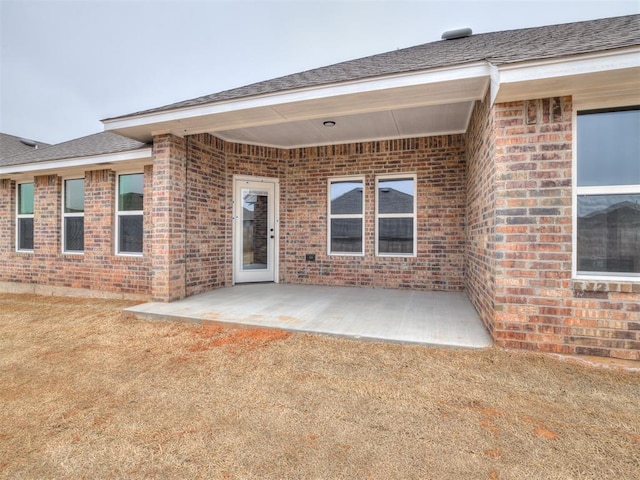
85 393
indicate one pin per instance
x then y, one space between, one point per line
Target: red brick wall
98 268
7 220
480 228
206 214
439 163
168 218
303 173
537 304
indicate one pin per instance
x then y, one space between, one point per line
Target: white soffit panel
590 75
403 91
387 124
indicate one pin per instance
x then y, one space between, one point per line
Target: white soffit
445 87
609 73
386 124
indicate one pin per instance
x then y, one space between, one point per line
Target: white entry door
255 249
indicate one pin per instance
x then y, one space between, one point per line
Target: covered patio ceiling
336 128
425 103
403 106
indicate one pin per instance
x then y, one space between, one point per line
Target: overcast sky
67 64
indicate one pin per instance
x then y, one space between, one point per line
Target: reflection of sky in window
340 188
131 184
74 195
609 148
404 186
25 192
131 192
588 204
250 198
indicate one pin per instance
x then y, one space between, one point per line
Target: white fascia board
473 70
107 159
578 65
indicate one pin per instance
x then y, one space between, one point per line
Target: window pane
395 196
609 233
609 148
395 235
25 234
131 193
255 230
25 198
346 235
130 234
74 195
346 197
74 234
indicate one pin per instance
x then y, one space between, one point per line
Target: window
346 216
129 214
396 215
608 193
24 224
73 216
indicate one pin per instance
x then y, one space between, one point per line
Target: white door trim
238 275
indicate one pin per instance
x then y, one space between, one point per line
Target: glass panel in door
255 229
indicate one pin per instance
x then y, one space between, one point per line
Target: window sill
129 255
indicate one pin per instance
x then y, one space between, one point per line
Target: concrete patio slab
433 318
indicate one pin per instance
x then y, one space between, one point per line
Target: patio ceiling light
329 123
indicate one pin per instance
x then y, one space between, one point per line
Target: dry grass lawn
86 393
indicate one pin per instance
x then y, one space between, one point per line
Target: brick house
504 164
58 219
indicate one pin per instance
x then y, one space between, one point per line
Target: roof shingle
498 48
102 143
11 145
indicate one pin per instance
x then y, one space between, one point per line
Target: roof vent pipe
455 34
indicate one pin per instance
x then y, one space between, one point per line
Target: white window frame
414 215
331 216
591 190
21 216
126 213
69 215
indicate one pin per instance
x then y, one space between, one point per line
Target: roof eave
68 165
143 126
572 75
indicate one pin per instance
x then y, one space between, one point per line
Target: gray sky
66 64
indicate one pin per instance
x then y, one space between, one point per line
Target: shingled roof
498 48
11 146
92 145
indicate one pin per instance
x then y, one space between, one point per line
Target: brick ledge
605 286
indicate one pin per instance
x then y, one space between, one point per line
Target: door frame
237 227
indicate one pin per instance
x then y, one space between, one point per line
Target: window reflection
346 216
609 148
609 233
